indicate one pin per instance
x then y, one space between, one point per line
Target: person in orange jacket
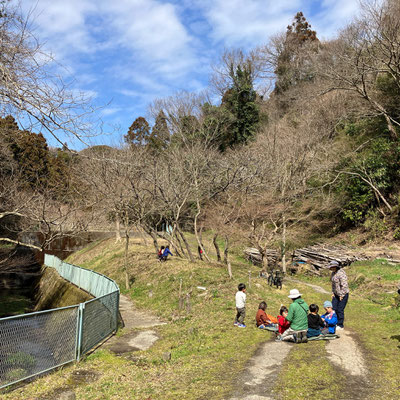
264 320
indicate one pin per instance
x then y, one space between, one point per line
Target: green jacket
297 315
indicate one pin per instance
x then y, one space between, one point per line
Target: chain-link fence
35 343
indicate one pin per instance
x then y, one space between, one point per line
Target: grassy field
206 351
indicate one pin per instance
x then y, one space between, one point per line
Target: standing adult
340 292
297 316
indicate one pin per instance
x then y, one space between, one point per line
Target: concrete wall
54 291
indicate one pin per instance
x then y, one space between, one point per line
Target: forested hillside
294 141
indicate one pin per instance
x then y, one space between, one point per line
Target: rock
167 356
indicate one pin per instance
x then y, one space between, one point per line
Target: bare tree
367 53
29 90
39 99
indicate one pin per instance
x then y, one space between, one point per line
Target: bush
396 234
374 224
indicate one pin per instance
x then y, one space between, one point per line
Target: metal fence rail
35 343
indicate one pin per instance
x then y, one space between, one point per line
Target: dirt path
259 377
317 288
133 339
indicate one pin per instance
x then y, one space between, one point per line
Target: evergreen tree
160 136
31 152
138 133
240 101
217 124
293 63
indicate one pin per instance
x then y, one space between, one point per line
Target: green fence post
117 312
79 332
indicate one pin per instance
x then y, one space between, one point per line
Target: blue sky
127 53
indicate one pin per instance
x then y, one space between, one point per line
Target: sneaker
236 323
339 328
241 326
305 338
295 337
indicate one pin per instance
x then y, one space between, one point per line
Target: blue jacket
331 321
166 252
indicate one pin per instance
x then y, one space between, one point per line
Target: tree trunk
226 257
226 250
179 243
127 284
283 244
217 247
229 269
117 229
186 244
198 236
154 237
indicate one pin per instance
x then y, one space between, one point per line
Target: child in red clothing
263 320
283 323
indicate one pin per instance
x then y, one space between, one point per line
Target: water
19 275
20 268
15 302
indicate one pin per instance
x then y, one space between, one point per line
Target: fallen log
321 255
252 254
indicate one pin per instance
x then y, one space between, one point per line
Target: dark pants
339 305
240 314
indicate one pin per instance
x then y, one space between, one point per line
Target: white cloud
62 24
107 111
334 15
238 22
149 26
150 29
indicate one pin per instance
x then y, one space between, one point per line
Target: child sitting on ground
315 322
330 318
160 253
283 323
263 320
165 254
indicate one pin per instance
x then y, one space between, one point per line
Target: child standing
330 318
240 298
263 320
315 322
283 323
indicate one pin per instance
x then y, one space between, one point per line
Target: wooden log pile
320 255
252 254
